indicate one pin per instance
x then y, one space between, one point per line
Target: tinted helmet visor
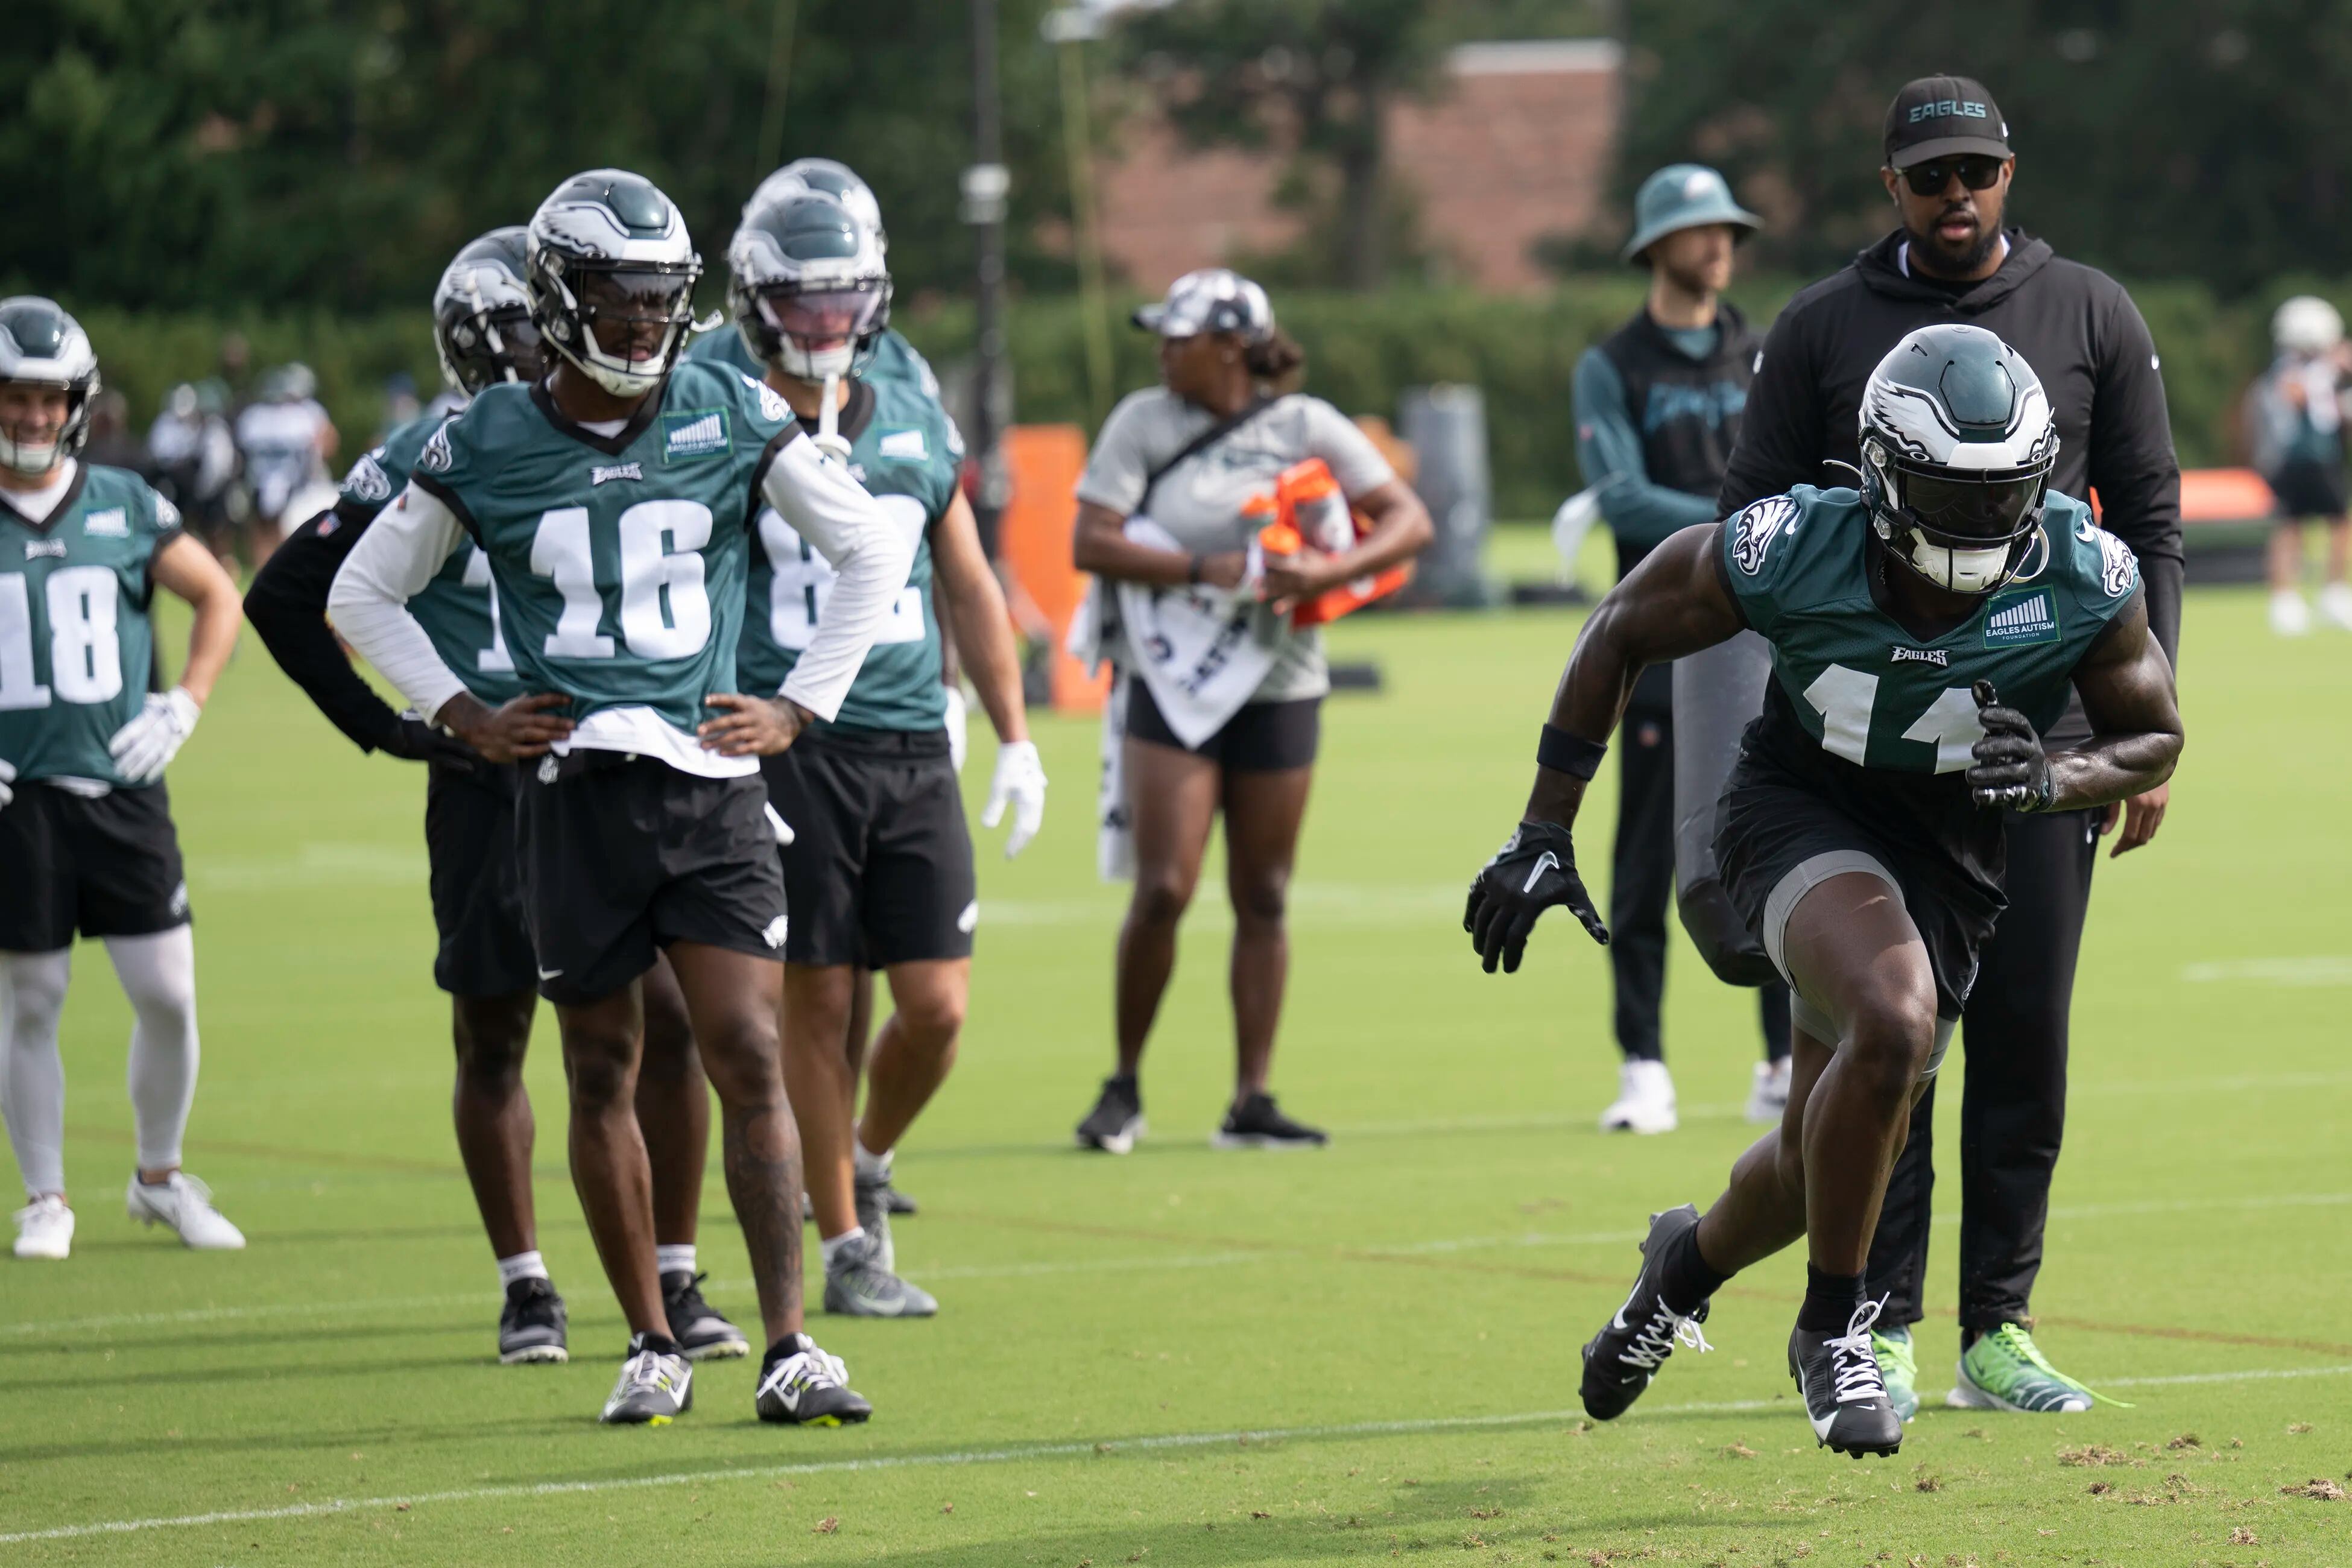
819 317
1987 511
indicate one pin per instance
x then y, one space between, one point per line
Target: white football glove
143 747
958 726
1020 781
7 777
778 825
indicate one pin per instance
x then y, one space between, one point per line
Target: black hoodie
2074 325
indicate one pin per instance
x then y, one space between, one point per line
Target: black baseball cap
1939 116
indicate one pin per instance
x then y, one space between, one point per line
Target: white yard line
1007 1455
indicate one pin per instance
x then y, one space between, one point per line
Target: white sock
834 1246
159 975
673 1259
870 1167
521 1266
32 1078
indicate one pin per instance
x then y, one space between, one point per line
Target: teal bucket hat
1680 196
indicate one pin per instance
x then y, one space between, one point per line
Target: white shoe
45 1227
185 1204
1645 1100
2335 606
1767 1100
2290 616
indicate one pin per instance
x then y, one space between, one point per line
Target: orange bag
1312 514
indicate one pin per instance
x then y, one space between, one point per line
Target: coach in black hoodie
1947 170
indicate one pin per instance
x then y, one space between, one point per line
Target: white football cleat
185 1204
2335 606
2290 616
1645 1100
1767 1100
45 1227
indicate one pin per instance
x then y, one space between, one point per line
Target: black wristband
1192 570
1566 754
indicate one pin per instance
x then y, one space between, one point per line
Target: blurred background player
1224 422
192 457
1946 170
2297 413
879 874
893 359
1658 409
286 440
483 334
87 842
621 585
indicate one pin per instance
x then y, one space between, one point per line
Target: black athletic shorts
1263 738
470 838
1781 830
879 870
620 856
2309 488
103 866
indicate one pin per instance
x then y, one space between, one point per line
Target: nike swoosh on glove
143 747
2011 769
1019 782
1534 870
417 742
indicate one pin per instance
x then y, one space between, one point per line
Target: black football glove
1534 870
2011 769
418 741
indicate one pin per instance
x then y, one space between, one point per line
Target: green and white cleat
2005 1369
1897 1368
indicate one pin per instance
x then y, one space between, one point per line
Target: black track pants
2013 1106
1642 891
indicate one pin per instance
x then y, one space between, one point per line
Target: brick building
1514 149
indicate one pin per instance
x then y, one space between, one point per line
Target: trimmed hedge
1363 352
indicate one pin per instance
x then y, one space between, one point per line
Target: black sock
1685 1280
661 1343
789 1346
1830 1301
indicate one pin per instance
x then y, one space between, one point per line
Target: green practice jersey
895 359
77 649
618 560
459 608
905 450
1869 691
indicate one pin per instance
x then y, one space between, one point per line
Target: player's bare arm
1675 603
185 569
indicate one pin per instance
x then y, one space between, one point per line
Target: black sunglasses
1977 172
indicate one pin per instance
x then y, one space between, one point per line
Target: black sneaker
532 1324
1620 1360
695 1324
1845 1393
1116 1120
1258 1123
803 1386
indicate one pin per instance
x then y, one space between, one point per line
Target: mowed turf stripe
1012 1454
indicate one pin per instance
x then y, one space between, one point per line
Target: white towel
1196 648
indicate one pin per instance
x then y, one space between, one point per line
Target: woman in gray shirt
1189 452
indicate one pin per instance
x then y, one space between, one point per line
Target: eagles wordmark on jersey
76 647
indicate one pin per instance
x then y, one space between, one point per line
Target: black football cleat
800 1385
1844 1393
1620 1360
532 1324
700 1333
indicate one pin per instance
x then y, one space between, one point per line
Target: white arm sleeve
871 554
390 565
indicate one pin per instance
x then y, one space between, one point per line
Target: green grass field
1189 1357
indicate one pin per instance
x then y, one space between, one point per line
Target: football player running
880 875
616 500
1924 631
87 842
482 330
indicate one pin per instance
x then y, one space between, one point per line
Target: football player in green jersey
483 334
1926 631
881 875
616 500
87 842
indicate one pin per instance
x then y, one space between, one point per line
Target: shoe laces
804 1370
1853 1363
192 1191
47 1206
688 1294
1657 1338
649 1369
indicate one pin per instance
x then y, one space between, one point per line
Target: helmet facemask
43 347
623 323
825 332
808 287
33 460
1962 531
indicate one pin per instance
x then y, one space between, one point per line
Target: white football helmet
836 180
808 287
610 272
1957 447
40 345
